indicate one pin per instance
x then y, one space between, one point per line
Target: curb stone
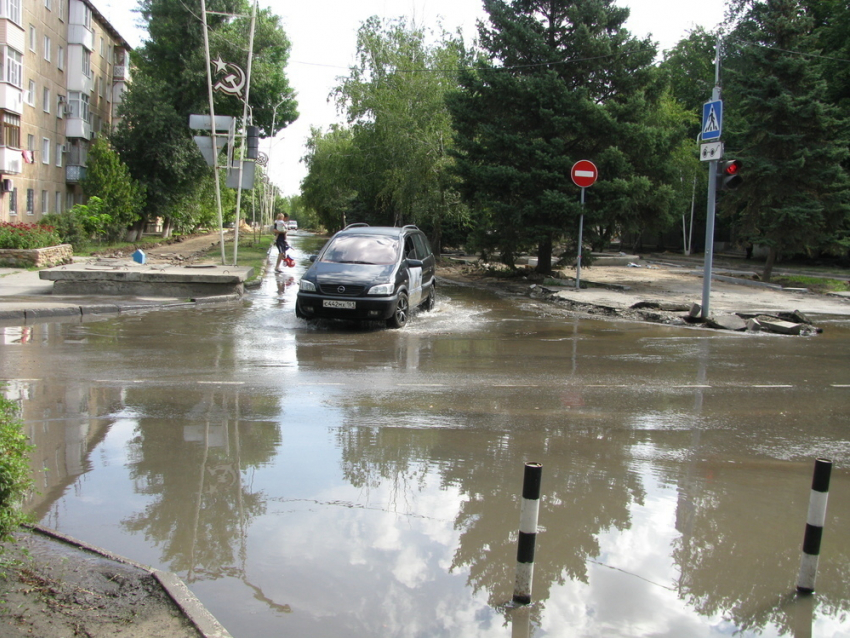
177 591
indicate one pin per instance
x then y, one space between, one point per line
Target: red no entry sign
584 173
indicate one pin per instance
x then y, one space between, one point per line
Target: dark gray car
370 273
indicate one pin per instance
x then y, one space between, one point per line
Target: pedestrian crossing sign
712 120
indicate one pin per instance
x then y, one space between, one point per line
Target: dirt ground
51 589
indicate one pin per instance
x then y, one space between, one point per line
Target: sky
323 36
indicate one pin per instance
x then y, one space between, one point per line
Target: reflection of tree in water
739 549
587 489
580 500
208 449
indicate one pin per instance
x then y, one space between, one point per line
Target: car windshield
362 249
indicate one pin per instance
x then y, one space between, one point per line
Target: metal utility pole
212 123
244 129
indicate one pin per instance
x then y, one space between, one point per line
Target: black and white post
814 526
527 532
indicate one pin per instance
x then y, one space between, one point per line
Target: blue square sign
712 120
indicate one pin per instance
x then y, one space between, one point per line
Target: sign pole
712 194
580 232
584 174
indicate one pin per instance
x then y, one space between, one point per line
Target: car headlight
307 286
381 289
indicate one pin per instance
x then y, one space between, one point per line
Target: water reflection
320 480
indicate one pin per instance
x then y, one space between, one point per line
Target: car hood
351 273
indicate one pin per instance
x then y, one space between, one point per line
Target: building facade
64 71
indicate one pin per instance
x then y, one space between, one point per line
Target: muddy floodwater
338 480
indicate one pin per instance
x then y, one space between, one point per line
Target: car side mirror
414 263
312 258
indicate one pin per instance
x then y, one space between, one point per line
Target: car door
414 274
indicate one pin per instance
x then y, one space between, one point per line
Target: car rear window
362 249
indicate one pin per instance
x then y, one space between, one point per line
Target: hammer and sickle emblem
233 82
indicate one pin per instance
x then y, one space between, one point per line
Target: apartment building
63 71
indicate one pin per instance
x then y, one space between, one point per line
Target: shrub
15 235
68 226
15 475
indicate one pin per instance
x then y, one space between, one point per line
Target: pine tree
564 81
795 197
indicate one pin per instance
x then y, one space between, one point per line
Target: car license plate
333 303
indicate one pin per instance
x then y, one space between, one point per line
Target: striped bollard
814 527
527 532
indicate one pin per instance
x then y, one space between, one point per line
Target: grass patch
253 252
815 284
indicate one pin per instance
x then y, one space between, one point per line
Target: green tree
394 102
795 197
564 81
154 142
154 138
120 197
328 187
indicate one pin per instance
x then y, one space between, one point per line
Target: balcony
77 127
120 73
79 34
11 160
74 174
11 98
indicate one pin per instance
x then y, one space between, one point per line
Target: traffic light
253 143
729 175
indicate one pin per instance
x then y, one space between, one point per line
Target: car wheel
298 312
401 312
431 300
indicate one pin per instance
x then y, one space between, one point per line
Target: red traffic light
728 177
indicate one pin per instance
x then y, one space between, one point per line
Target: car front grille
341 290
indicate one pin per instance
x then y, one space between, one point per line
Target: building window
30 198
87 63
47 48
59 155
13 67
102 47
32 37
11 9
29 98
13 202
78 104
45 100
62 10
45 203
30 142
58 209
48 5
60 62
12 130
45 150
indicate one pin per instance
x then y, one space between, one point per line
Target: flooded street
334 479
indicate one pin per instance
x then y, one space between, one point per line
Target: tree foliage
390 164
120 197
564 81
791 139
153 137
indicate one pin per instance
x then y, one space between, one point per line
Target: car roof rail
411 226
356 225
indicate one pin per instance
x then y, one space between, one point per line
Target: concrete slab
133 279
